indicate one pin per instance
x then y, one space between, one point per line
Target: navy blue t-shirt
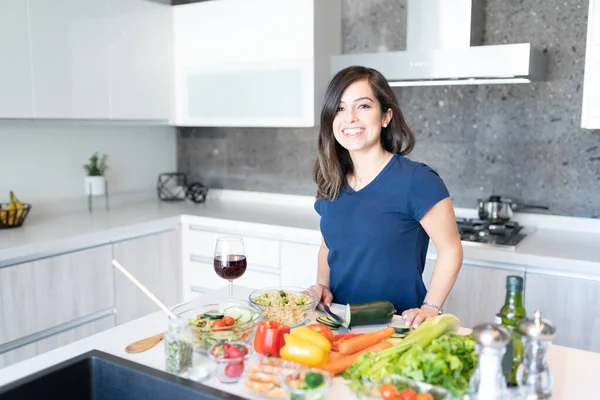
377 246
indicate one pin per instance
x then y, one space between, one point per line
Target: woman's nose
350 116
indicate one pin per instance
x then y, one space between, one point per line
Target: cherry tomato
236 351
228 321
234 369
388 391
323 330
218 324
407 394
424 396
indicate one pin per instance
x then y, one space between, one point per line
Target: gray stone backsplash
522 141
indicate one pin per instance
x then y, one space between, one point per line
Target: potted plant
95 181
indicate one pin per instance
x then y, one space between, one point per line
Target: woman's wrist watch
439 309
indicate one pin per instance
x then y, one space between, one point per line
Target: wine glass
230 259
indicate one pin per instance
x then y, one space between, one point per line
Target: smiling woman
378 208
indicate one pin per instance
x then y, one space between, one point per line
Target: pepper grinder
488 381
534 374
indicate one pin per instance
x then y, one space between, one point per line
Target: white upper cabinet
254 63
140 59
16 92
69 41
86 59
590 116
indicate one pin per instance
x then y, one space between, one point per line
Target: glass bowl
371 390
279 304
295 384
230 369
205 334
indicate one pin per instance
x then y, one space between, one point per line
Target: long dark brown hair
333 162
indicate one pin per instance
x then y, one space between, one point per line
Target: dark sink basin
96 375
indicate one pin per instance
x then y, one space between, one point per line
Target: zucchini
401 329
369 313
329 322
212 315
240 314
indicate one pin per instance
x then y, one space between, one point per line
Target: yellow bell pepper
302 351
304 332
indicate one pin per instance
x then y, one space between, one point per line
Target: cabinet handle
55 330
198 289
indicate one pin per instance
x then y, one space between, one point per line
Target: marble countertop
573 377
566 247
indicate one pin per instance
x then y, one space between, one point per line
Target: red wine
230 267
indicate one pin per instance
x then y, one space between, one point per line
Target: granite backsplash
522 141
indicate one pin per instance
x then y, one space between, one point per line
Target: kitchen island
575 372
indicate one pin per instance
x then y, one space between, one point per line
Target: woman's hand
415 316
323 293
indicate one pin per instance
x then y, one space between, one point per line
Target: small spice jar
178 346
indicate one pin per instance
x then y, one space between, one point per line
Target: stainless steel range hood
442 49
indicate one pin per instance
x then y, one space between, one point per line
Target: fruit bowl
289 305
210 323
13 216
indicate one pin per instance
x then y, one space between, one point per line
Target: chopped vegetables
281 298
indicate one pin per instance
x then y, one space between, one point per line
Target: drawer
200 277
259 252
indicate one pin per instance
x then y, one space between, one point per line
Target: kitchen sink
96 375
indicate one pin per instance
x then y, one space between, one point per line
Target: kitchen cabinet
155 260
140 59
231 70
58 340
299 264
479 291
571 305
16 91
199 276
101 59
590 116
69 47
44 295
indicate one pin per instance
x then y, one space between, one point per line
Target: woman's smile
353 132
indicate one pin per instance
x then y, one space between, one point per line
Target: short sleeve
318 206
426 190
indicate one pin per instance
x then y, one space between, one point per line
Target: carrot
338 339
337 366
358 343
334 355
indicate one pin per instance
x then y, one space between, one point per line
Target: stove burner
484 232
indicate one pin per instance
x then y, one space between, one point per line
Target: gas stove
481 232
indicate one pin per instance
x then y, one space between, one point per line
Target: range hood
443 48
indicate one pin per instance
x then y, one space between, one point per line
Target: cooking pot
498 209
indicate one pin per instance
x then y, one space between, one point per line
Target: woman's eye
363 106
340 109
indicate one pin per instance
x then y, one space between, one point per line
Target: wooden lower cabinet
155 260
477 295
56 341
572 305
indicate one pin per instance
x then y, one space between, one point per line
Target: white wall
42 161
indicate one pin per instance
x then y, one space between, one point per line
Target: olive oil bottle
510 315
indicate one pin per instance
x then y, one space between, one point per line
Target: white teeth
352 132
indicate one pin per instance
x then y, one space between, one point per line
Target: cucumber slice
212 315
399 335
240 314
401 329
329 322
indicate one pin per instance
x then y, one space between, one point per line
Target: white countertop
573 371
558 245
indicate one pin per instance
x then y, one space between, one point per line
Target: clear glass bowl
370 390
231 370
289 315
203 338
293 383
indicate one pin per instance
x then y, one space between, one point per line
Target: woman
378 208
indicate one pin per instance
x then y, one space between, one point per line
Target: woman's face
358 121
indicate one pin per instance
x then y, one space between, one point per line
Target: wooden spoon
144 344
